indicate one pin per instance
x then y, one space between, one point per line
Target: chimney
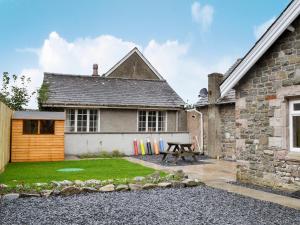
95 70
214 82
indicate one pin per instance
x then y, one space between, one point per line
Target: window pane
161 121
82 120
296 106
93 120
142 121
30 126
152 121
70 120
47 126
296 131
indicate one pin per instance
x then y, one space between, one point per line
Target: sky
184 40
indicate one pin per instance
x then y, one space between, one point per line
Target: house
252 113
131 101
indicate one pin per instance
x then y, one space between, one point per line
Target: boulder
108 188
179 174
79 183
122 187
189 183
71 190
89 189
139 179
149 186
10 197
40 184
55 183
92 182
177 184
135 187
29 195
66 183
55 192
46 193
164 184
3 186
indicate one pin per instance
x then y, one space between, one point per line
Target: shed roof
78 90
38 115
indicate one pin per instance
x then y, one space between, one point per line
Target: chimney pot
95 70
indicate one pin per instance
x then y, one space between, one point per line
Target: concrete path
217 174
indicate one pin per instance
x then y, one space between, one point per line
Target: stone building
260 127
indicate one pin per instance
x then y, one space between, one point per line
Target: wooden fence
5 128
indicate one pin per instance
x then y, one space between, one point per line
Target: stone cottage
131 101
252 113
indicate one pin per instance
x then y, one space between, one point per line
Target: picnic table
178 150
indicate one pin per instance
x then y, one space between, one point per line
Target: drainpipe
201 127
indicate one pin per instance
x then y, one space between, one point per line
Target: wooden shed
37 136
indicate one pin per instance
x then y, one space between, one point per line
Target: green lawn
100 169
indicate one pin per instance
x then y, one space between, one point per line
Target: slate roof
228 98
76 90
38 115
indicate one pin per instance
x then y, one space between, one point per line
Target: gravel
170 161
199 205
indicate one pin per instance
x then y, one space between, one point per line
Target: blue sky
184 40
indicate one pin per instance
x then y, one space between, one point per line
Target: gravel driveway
199 205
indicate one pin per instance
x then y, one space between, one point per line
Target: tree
13 93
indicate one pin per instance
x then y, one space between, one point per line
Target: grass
101 169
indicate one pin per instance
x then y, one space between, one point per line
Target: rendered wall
77 144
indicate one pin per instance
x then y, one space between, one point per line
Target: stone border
68 188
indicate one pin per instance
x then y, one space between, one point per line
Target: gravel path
199 205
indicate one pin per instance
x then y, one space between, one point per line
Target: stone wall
262 115
227 125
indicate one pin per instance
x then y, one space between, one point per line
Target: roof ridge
100 77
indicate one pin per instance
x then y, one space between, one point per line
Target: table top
178 143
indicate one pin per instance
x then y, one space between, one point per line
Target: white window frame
292 113
88 121
147 114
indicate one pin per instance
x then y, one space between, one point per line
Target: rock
10 197
122 187
72 190
66 183
108 188
46 193
55 183
189 183
92 182
179 174
164 184
29 195
153 176
149 186
135 187
2 186
79 183
177 184
89 189
138 179
40 184
55 192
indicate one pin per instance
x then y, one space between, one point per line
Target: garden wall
5 125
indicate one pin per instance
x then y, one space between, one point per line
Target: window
70 120
152 121
82 120
30 126
93 120
294 125
47 126
38 126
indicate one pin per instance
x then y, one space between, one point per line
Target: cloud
259 30
186 74
202 15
